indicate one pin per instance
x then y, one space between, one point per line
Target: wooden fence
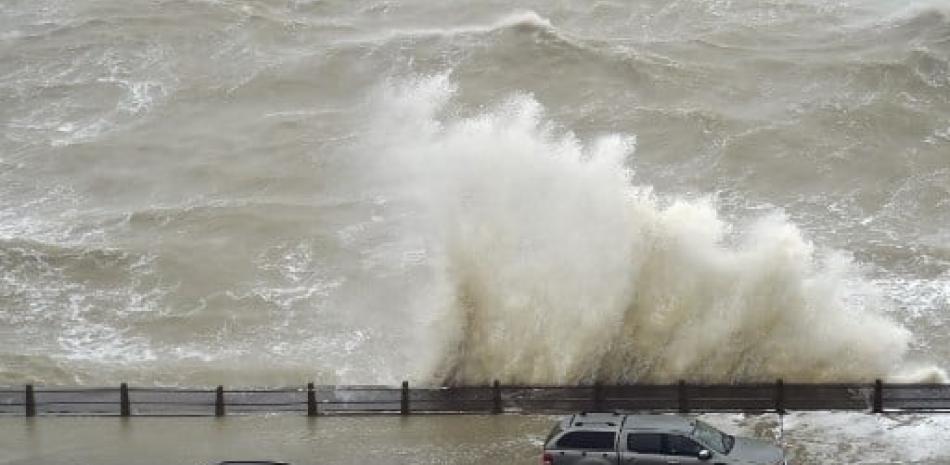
313 400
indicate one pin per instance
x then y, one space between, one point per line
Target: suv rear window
591 440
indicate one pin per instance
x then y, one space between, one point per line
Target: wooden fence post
496 397
683 397
780 396
311 401
878 400
219 401
29 401
404 400
124 407
598 395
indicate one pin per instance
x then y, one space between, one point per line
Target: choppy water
266 192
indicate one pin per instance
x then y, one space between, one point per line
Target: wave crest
527 21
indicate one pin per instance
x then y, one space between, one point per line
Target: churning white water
553 266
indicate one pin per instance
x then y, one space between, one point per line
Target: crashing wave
554 267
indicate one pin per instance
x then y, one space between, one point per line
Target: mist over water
265 193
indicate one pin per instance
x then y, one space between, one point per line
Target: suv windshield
713 438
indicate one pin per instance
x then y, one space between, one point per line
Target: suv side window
681 445
645 443
590 440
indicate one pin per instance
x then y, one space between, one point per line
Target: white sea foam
846 437
868 439
552 267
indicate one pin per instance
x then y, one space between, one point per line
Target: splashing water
551 266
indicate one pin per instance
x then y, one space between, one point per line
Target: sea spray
551 266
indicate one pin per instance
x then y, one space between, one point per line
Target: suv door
643 449
585 448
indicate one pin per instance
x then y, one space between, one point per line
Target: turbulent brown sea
270 192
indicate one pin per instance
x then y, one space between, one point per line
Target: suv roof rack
596 419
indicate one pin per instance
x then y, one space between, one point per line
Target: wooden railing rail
313 400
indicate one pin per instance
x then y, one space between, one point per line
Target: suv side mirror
704 455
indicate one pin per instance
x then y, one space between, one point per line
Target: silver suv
615 439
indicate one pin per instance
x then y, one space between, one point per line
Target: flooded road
508 439
350 440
